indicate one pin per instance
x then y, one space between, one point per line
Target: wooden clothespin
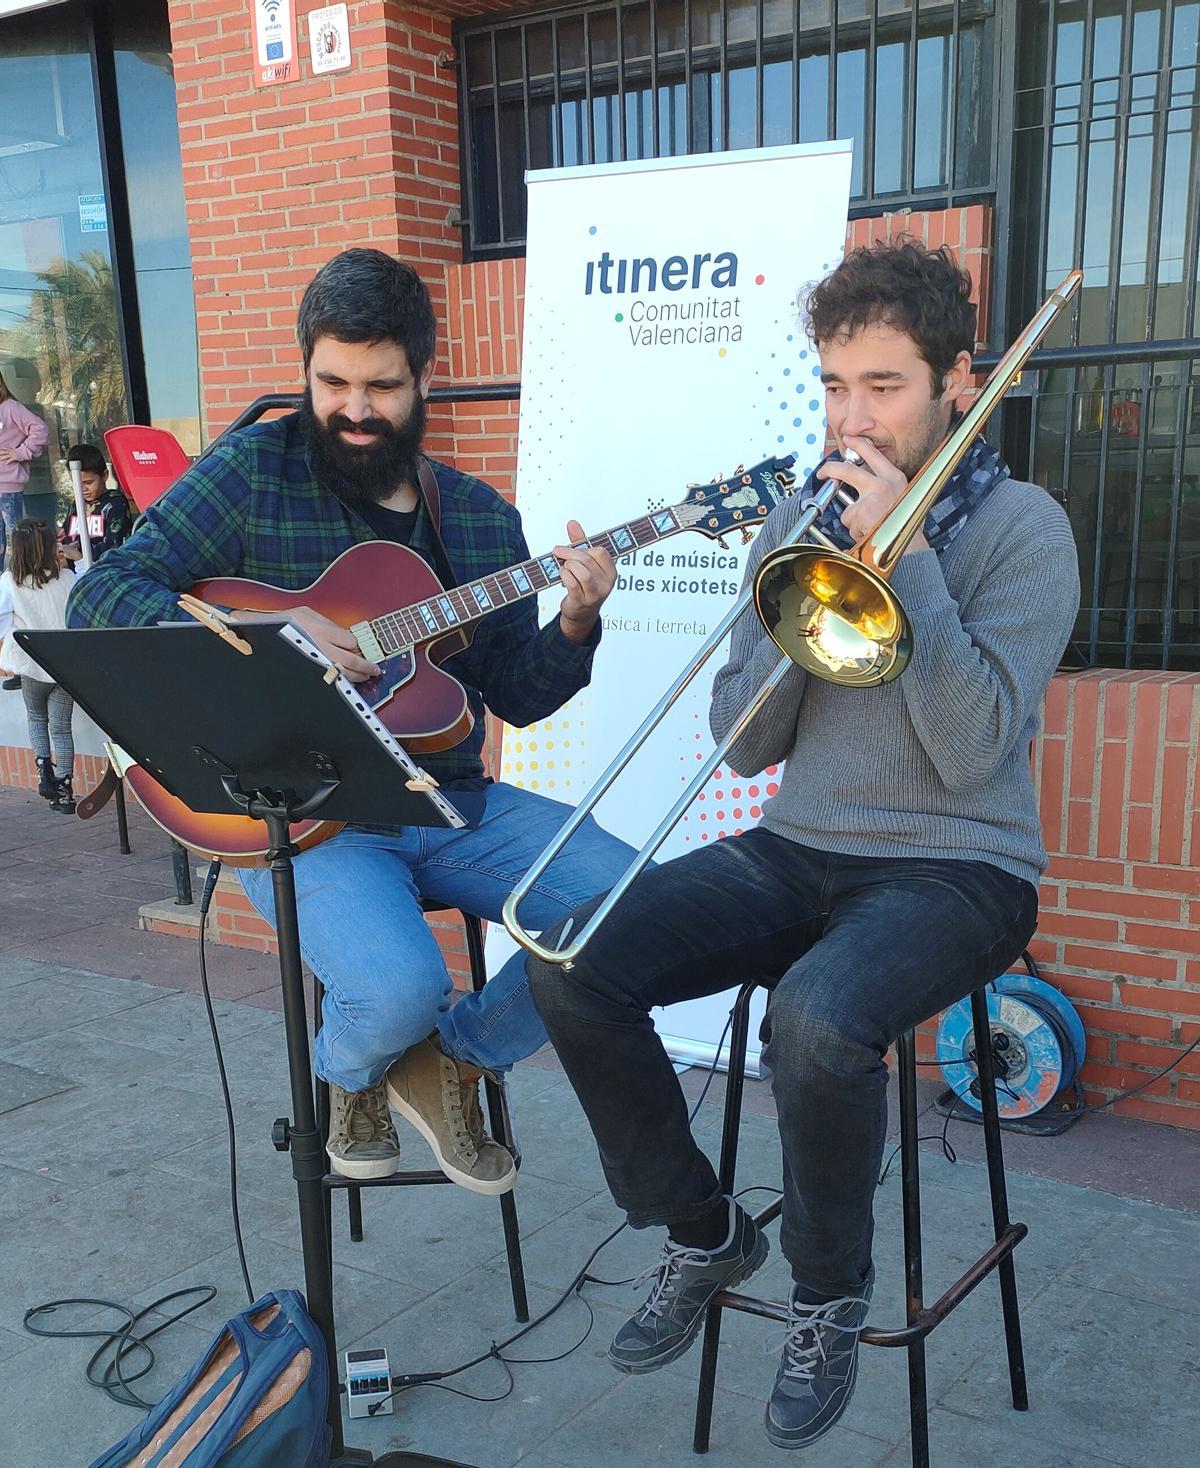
216 621
424 781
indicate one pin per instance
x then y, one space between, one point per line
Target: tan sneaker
440 1096
362 1140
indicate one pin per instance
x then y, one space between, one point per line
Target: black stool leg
501 1124
910 1169
321 1095
353 1200
726 1171
999 1191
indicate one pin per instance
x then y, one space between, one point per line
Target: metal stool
499 1116
921 1318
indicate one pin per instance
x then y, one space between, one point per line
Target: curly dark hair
902 284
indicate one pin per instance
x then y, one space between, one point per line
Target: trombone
831 612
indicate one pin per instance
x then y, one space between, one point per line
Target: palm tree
75 312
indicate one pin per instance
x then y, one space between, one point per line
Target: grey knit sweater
935 764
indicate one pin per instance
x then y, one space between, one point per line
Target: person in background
108 515
33 593
23 436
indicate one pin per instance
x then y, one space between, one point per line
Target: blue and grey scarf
979 472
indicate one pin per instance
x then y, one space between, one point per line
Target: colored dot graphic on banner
729 804
545 756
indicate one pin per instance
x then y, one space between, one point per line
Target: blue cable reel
1038 1045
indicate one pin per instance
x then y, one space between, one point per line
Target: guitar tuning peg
746 537
722 544
739 469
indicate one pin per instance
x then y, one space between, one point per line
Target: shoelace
665 1274
457 1096
804 1342
366 1114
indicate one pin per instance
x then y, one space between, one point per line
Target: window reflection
161 253
59 344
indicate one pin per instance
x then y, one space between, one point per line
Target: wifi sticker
274 42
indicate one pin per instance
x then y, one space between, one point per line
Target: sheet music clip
216 621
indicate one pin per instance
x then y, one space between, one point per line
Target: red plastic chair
147 461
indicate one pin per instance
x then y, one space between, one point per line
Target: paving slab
19 1085
113 1183
1110 1377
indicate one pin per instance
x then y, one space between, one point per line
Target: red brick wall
1120 919
278 179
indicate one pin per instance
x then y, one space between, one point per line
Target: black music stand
267 732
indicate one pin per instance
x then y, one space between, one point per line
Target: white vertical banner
661 348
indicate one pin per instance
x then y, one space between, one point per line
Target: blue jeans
12 509
362 931
855 950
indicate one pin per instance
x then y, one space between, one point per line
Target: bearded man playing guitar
278 503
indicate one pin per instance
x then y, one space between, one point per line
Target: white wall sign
661 347
329 38
274 43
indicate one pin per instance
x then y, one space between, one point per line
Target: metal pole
123 819
81 519
303 1139
181 865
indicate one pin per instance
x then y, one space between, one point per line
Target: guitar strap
432 495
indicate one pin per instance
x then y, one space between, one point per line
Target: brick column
278 179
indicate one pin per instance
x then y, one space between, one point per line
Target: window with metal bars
913 84
1107 151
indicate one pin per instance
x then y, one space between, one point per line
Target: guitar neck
459 606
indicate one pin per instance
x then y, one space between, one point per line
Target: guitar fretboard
460 605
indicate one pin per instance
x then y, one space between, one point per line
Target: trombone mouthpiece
852 458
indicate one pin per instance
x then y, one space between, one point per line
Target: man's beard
925 437
366 474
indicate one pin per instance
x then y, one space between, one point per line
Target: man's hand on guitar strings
338 645
589 575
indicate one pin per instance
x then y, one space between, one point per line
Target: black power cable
581 1277
210 886
123 1340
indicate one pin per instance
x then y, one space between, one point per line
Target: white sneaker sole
381 1167
491 1188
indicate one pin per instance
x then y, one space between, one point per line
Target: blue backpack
256 1399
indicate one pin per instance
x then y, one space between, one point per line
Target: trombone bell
832 616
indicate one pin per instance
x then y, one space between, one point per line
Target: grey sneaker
362 1140
440 1096
816 1376
685 1280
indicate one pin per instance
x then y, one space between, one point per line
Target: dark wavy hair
367 296
902 284
32 553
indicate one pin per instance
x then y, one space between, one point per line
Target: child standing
109 520
33 593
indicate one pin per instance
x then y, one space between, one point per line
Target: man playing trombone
894 872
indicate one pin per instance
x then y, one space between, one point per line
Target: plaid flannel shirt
252 508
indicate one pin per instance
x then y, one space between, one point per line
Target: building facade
161 209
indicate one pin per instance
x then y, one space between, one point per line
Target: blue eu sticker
274 50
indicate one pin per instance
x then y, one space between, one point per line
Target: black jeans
856 950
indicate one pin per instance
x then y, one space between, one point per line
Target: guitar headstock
738 501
